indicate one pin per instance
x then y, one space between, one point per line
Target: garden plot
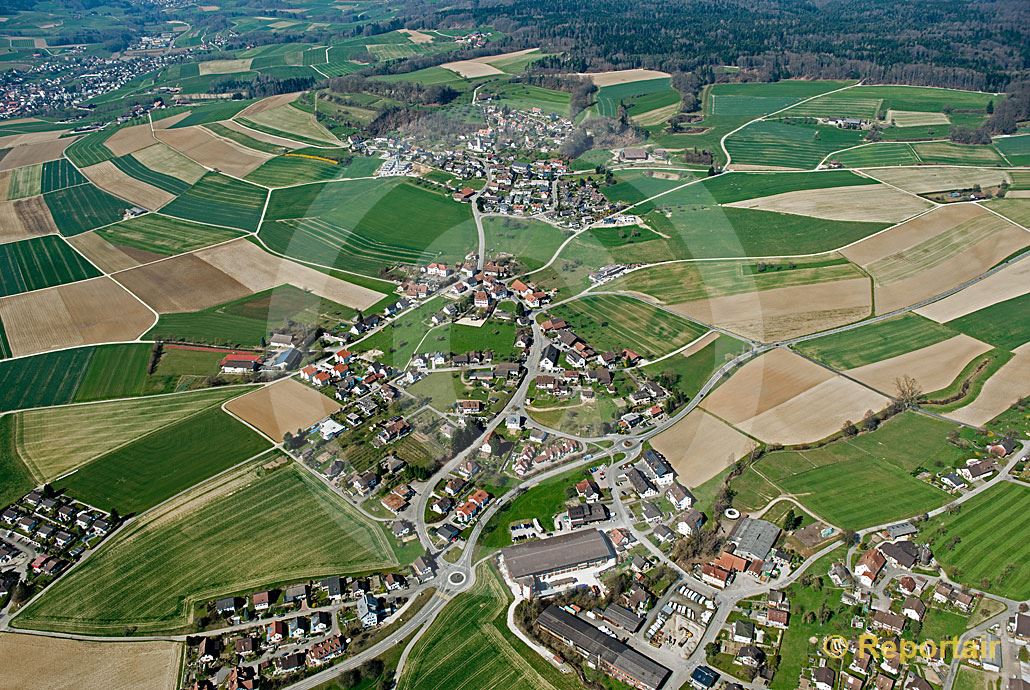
783 398
30 154
167 161
876 202
80 664
1011 281
213 152
83 313
700 446
131 139
934 367
109 178
934 252
286 406
1000 392
924 180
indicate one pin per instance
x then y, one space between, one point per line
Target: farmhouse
240 363
545 567
869 567
601 651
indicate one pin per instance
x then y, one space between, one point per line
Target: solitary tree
907 390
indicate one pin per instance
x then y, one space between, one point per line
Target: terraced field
154 467
320 535
40 262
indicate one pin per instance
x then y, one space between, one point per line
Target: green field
459 338
956 154
23 182
164 235
138 476
84 207
213 542
876 342
922 99
727 188
90 149
787 144
990 530
367 225
59 174
688 374
220 200
288 170
470 647
633 186
613 322
526 96
698 228
40 262
212 112
639 97
5 346
243 139
1003 324
880 154
543 501
249 321
1016 150
1016 210
79 375
398 342
53 441
133 168
834 481
683 282
15 478
531 242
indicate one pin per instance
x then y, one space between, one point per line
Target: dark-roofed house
902 554
603 652
824 678
622 617
580 515
539 566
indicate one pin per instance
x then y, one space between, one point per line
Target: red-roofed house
239 363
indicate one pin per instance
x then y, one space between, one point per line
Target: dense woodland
966 44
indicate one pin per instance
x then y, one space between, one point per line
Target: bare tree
907 390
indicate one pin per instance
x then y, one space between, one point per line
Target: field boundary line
991 210
862 173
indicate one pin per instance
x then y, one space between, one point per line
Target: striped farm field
5 347
875 342
789 145
229 535
58 175
220 200
613 322
40 262
986 540
296 168
48 379
1016 150
840 104
150 469
160 234
1003 324
21 182
133 168
469 647
291 122
165 160
54 441
878 154
90 149
84 207
243 139
957 154
639 97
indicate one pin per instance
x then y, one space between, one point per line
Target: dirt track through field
284 406
212 151
84 313
112 179
781 313
67 664
860 203
700 446
1011 281
1009 384
934 367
